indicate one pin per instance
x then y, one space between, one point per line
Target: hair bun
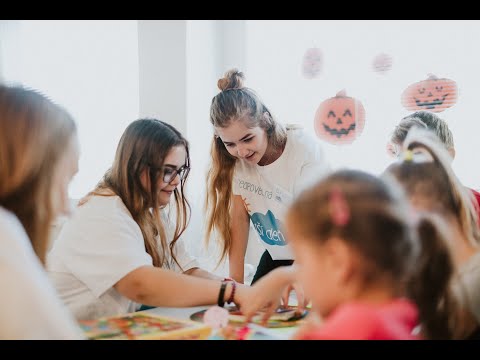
233 79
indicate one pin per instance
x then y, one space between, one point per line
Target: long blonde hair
233 103
34 132
144 145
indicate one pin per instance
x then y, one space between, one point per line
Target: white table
179 313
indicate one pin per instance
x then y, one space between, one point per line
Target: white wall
162 76
445 48
108 73
203 61
212 48
89 67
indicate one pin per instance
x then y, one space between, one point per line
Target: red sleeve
344 325
477 205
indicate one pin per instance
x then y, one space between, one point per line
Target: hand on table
265 295
302 301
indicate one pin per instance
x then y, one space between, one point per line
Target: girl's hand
267 292
302 301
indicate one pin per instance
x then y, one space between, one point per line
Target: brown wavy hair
34 131
416 259
233 103
144 145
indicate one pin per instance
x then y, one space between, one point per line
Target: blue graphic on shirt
268 228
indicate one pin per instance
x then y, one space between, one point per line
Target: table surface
261 333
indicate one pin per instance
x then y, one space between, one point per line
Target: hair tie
408 155
338 206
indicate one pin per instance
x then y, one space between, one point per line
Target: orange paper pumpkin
340 120
433 95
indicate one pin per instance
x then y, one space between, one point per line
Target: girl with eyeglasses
122 247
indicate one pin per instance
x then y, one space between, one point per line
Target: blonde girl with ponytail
257 168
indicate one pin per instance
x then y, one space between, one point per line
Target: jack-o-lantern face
433 95
340 120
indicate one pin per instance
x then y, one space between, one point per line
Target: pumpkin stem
342 93
431 77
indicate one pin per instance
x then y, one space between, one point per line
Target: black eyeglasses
169 173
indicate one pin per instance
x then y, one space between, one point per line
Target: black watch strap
221 294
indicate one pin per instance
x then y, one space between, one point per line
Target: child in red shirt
392 320
370 270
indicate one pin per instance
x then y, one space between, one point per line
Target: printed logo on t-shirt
255 189
269 228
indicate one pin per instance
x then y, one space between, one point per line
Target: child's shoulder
105 206
12 230
8 219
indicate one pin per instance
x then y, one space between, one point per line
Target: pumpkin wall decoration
340 120
312 63
382 63
433 95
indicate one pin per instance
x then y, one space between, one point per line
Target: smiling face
249 144
433 95
174 160
340 120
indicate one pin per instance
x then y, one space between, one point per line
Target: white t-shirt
267 191
29 305
97 247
